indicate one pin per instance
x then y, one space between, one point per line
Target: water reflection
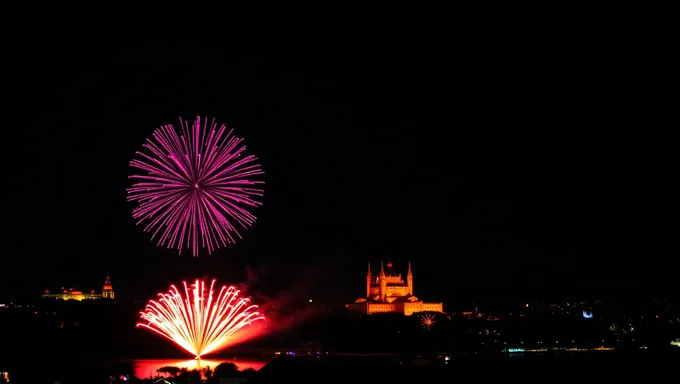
147 368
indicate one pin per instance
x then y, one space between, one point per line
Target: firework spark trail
198 322
197 186
427 320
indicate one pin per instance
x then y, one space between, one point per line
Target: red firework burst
199 322
197 186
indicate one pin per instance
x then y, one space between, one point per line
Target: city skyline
72 293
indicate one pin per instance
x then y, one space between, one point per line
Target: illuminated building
107 290
73 294
388 293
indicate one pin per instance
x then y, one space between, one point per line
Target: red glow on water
144 369
196 187
200 321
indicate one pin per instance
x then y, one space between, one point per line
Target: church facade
389 293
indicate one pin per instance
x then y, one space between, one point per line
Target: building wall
69 296
384 308
397 291
391 291
433 307
411 308
407 309
394 279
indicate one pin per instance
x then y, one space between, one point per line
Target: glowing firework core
427 320
199 321
196 186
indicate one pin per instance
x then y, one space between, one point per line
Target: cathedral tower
369 281
409 279
383 283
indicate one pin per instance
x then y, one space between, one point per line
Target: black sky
513 149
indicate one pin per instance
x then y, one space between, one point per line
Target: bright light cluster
199 321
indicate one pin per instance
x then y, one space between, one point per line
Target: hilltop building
388 292
73 294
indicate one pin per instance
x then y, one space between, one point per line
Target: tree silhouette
170 370
226 370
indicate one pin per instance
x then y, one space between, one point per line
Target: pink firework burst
197 186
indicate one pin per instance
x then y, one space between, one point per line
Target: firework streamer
200 321
196 186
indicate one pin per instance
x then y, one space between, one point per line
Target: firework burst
427 320
197 186
199 321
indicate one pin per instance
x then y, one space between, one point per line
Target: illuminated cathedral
73 294
388 292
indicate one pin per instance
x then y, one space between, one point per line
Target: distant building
73 294
389 293
107 290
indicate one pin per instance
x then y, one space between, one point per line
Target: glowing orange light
427 320
200 322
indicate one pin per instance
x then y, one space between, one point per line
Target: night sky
501 150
